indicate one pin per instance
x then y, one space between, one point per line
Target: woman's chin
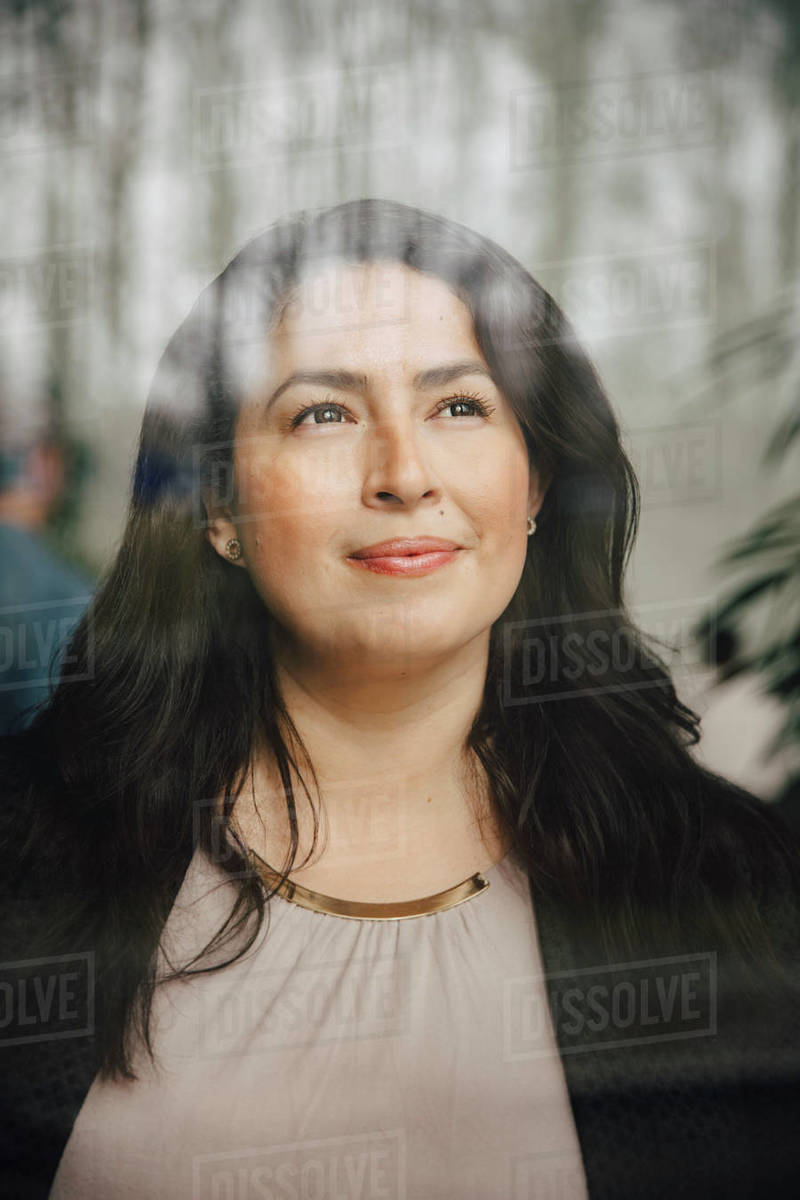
393 650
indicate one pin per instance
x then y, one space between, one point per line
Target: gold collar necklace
366 910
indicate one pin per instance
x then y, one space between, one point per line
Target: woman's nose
398 465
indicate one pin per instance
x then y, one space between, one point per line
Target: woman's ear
221 532
540 480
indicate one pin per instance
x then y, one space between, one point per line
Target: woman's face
377 419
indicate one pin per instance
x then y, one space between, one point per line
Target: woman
379 523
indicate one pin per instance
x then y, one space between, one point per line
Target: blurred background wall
640 158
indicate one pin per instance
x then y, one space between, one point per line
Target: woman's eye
327 413
465 406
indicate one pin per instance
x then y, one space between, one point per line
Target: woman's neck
404 811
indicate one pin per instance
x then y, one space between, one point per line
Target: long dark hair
583 738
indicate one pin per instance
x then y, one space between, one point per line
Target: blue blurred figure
42 597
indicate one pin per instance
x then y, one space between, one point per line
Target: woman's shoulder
29 791
26 805
742 861
737 826
45 854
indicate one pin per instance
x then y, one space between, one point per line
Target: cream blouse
345 1057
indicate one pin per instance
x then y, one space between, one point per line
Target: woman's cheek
267 492
282 525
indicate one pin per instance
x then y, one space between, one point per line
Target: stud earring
233 549
531 526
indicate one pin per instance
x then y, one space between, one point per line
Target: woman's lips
406 564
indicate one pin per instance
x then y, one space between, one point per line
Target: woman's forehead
379 309
340 294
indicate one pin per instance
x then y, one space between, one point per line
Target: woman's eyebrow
348 381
